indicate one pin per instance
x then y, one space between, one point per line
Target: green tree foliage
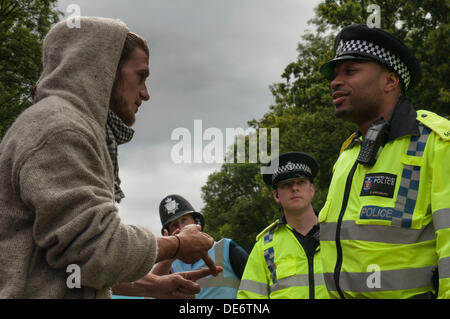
23 26
238 204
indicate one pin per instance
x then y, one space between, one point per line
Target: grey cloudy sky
210 60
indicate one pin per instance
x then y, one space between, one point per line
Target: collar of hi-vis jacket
403 123
315 229
310 241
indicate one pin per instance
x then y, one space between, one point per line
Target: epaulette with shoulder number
275 223
439 124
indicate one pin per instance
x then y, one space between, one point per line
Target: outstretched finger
197 274
211 264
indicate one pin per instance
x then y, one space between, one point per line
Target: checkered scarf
116 133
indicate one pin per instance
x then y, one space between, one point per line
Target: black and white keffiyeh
117 133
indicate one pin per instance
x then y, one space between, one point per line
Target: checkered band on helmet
379 53
290 167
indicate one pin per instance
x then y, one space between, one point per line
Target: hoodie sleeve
64 181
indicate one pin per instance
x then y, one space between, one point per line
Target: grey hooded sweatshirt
56 177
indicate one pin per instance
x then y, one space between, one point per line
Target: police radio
375 138
373 142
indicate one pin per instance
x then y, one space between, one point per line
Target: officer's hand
194 245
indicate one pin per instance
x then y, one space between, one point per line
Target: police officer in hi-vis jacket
385 227
285 262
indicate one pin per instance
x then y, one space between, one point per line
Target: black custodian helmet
173 207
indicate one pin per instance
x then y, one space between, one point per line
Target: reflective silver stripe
376 233
297 281
255 287
319 280
218 252
444 267
441 219
218 282
398 279
329 281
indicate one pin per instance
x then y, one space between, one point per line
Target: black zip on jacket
309 243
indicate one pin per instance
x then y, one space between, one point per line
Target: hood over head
80 64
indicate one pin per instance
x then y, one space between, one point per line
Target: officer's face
357 90
294 195
179 223
129 88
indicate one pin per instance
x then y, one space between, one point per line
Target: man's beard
119 105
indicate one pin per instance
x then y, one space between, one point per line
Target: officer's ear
276 197
392 81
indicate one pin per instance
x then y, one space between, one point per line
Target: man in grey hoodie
57 177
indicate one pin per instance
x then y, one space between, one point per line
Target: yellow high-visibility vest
279 268
385 229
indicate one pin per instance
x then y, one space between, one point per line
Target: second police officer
285 262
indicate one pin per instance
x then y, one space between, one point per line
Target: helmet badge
171 205
290 166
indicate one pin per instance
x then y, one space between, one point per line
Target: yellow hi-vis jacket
279 267
385 229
